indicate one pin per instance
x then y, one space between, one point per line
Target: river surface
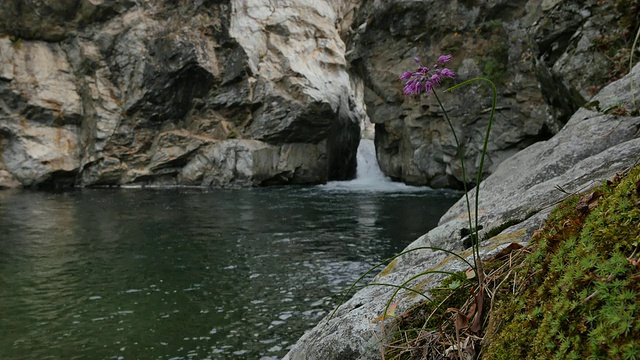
189 273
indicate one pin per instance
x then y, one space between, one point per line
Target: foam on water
369 177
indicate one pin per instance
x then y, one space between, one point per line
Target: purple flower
428 86
448 73
416 59
424 79
413 87
444 58
406 75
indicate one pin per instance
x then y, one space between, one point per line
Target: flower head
424 79
413 87
406 75
444 59
447 73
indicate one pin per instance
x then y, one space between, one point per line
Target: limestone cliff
171 92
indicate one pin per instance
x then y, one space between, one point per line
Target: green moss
581 299
572 294
16 42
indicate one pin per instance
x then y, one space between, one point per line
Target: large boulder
517 197
546 58
140 90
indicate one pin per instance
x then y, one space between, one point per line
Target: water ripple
228 274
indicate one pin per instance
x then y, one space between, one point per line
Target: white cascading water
369 177
368 168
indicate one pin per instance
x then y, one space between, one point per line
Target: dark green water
188 274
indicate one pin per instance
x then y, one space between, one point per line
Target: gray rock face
161 92
40 114
543 56
55 20
112 77
591 147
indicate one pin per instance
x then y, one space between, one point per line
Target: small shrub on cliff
493 55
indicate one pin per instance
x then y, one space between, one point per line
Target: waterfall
369 177
368 169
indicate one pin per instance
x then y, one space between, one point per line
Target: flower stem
476 252
472 230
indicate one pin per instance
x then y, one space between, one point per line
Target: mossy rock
573 293
581 297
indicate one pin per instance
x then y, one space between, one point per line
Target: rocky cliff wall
175 92
149 92
547 59
514 202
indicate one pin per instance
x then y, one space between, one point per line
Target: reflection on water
100 274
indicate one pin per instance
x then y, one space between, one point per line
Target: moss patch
581 297
573 293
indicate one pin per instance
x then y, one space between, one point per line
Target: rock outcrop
117 83
165 92
547 59
591 147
